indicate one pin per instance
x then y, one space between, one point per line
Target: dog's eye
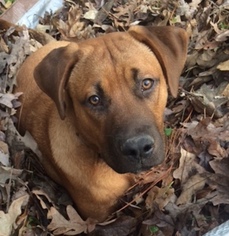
94 100
147 84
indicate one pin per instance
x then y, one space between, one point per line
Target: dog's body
96 109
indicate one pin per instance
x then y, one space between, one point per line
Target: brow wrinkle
135 73
99 90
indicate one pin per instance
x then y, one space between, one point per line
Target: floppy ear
169 44
53 72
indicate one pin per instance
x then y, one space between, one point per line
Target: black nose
138 147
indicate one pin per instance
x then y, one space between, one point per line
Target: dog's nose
138 147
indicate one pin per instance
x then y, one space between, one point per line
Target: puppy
95 109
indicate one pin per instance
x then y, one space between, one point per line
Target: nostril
148 148
130 149
132 152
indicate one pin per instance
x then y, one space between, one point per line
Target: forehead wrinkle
112 50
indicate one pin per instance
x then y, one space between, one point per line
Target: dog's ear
53 72
169 44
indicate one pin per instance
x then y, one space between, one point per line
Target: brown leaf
221 185
219 182
4 154
216 150
209 137
159 196
220 166
189 188
59 225
38 194
123 226
163 222
7 220
8 173
223 36
223 66
225 92
3 47
104 12
187 167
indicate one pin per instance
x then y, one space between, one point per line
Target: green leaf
168 131
153 229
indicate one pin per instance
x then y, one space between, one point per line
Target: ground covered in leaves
189 193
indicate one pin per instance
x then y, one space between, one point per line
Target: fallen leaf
8 220
103 12
220 166
187 167
123 226
39 193
215 149
224 66
8 173
219 182
194 3
160 224
160 196
4 154
190 187
223 36
91 15
59 225
6 99
225 92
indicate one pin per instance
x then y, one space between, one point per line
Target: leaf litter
186 195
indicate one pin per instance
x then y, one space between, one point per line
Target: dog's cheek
157 106
88 129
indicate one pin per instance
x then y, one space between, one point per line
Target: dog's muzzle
135 152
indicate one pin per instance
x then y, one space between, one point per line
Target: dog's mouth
136 154
122 165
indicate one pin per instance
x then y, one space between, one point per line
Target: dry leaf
187 166
190 187
160 196
219 181
91 15
223 36
104 11
4 154
207 99
40 193
123 226
8 173
216 150
59 225
223 66
8 220
225 92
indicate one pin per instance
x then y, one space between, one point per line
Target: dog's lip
132 167
137 170
143 169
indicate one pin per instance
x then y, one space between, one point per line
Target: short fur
95 109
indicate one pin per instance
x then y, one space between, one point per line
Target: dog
95 109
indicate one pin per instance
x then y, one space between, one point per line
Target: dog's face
117 87
119 93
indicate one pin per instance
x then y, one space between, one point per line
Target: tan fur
70 145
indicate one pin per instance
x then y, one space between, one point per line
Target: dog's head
116 85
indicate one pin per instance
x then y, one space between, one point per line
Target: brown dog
95 109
